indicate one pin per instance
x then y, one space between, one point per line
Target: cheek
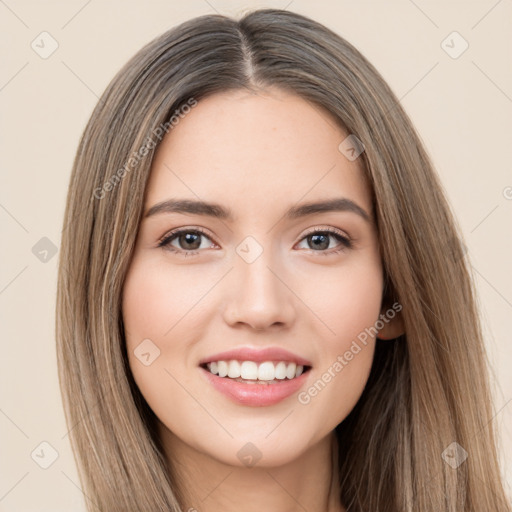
343 301
348 307
156 317
354 305
163 303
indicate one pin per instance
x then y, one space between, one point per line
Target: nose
259 295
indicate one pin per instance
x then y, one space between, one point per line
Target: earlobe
390 324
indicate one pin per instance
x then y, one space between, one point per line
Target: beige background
461 106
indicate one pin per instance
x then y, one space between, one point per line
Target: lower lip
255 395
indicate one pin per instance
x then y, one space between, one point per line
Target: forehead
251 151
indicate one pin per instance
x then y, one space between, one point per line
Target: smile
247 388
264 372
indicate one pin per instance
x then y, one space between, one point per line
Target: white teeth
290 370
222 368
234 369
280 371
266 371
250 370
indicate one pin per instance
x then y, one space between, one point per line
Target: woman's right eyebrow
190 206
197 207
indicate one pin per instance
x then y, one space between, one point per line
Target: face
248 275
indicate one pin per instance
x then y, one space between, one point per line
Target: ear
392 322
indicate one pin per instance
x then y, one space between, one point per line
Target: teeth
222 368
234 370
280 371
250 370
266 371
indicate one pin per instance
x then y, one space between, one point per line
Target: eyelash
345 242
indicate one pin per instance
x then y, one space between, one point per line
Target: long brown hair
427 390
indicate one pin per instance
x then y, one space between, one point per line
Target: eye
188 239
319 240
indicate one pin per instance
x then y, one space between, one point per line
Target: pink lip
255 395
258 355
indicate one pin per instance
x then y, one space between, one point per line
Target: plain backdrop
459 98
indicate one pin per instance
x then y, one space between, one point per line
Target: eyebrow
195 207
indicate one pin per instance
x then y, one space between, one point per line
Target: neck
309 482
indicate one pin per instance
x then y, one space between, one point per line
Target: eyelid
176 231
330 229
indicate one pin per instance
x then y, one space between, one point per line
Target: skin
256 154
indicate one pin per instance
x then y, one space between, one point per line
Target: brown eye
188 240
319 241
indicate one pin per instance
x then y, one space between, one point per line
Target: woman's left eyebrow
197 207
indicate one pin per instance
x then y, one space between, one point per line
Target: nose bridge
258 295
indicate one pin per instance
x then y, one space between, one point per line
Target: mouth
256 376
252 372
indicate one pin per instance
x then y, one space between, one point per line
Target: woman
263 301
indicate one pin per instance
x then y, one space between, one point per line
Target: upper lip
258 355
